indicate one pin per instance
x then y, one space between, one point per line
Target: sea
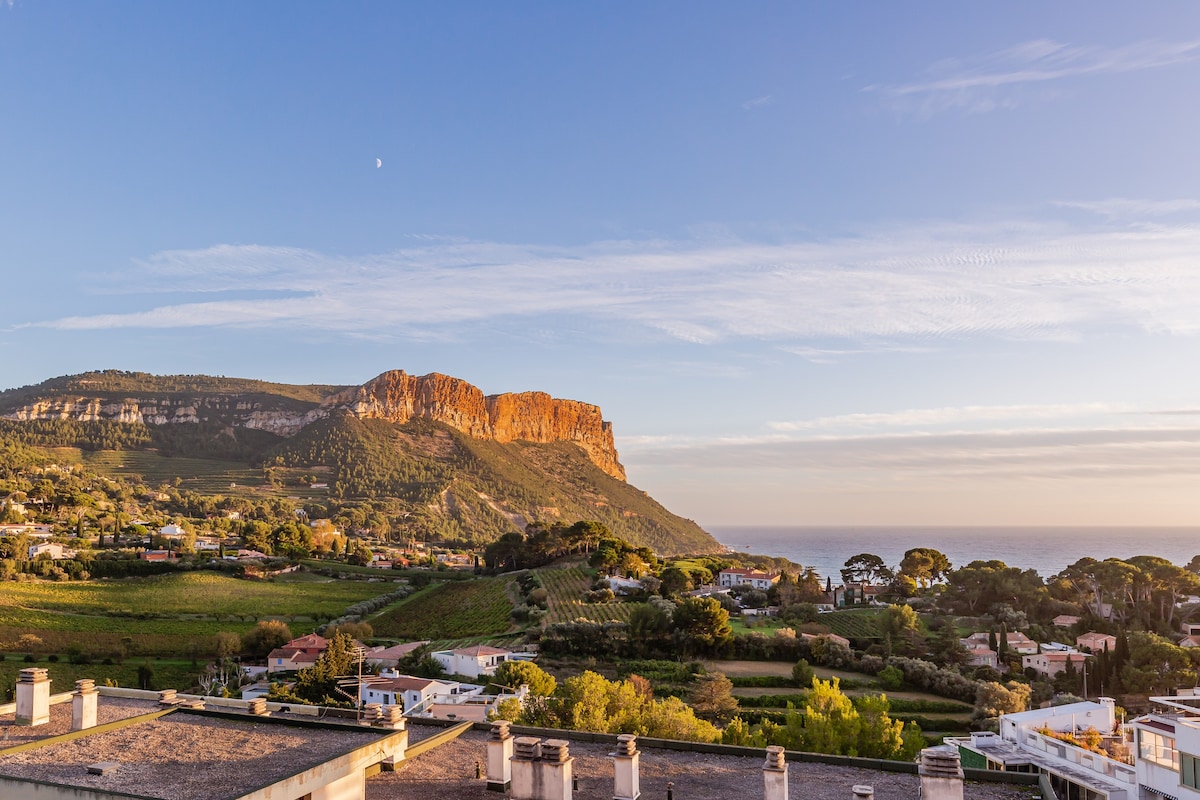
1045 549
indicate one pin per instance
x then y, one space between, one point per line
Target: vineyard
206 594
175 614
567 587
853 624
449 611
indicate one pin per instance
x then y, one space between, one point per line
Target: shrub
890 678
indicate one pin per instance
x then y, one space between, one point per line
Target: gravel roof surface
187 756
108 709
449 771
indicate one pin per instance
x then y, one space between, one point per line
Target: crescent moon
378 163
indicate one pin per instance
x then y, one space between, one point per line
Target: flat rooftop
449 771
109 709
186 755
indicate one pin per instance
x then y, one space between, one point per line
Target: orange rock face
527 416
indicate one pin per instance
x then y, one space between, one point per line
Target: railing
1086 759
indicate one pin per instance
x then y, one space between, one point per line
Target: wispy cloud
1023 454
1126 207
757 102
976 83
912 288
939 417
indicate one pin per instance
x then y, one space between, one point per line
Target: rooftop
449 771
186 755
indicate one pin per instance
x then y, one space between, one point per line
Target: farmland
566 587
853 624
167 614
449 611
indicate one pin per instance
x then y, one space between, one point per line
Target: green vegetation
449 610
164 673
180 613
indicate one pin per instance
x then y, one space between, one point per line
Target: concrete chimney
941 773
499 751
557 768
391 717
371 713
83 705
775 776
257 707
33 697
526 777
167 697
626 784
863 792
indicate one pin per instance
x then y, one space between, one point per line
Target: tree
802 673
702 623
228 644
866 567
993 699
712 697
924 565
318 684
513 674
265 637
899 625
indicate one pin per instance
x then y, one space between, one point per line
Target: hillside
429 455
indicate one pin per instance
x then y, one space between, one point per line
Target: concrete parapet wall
647 743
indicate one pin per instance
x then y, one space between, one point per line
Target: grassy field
449 611
179 613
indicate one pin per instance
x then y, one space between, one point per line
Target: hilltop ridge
431 452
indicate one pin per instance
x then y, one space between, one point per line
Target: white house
171 531
415 694
55 550
747 577
1073 771
477 660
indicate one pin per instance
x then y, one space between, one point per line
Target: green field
178 613
449 611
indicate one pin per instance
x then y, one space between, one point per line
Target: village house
389 657
414 694
297 654
980 655
1016 641
1047 665
1065 621
1191 635
477 660
1095 642
754 578
53 550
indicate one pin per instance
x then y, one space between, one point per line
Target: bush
890 678
802 673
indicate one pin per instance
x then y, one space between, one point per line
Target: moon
378 163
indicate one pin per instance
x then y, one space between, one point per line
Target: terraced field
567 587
449 611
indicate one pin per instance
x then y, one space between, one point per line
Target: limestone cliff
394 396
398 397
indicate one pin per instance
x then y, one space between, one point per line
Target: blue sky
919 263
